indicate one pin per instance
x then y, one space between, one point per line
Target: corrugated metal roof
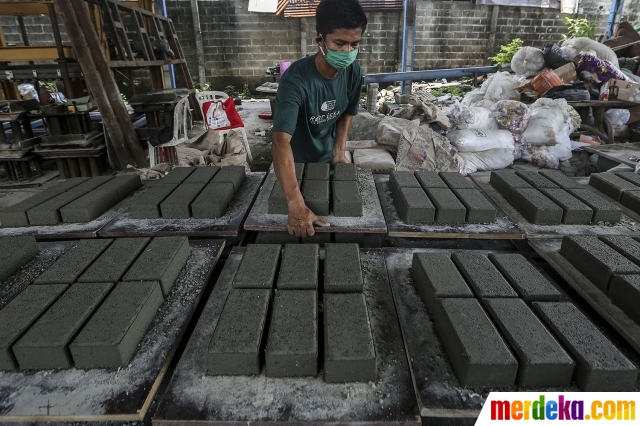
307 8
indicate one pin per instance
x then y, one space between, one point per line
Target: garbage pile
524 114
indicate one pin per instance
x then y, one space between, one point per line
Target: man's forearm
343 126
284 166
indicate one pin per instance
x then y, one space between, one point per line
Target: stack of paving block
291 343
549 197
319 191
502 322
443 198
611 263
92 306
190 192
74 200
623 187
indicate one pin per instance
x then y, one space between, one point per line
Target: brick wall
39 30
240 45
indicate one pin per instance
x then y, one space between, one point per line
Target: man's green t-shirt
308 106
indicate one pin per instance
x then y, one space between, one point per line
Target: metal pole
197 32
617 7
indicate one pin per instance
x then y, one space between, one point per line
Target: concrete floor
260 145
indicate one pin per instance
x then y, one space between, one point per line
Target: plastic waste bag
511 115
493 159
553 56
528 61
466 117
475 140
618 117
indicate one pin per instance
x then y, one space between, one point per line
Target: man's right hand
302 219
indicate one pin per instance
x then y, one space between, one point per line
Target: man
315 104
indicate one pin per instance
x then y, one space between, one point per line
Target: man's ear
319 39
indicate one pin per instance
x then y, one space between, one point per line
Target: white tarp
269 6
553 4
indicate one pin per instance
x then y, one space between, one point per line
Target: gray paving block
603 210
536 207
202 174
111 337
575 212
479 209
177 204
316 195
478 354
624 292
317 171
124 185
595 259
349 351
485 280
536 179
530 284
265 237
505 181
299 267
346 199
342 269
236 345
413 205
437 277
147 205
541 359
399 180
16 252
299 171
625 245
162 260
448 208
114 261
347 237
258 266
16 215
429 179
292 344
231 174
456 180
176 176
48 213
74 262
632 177
277 203
600 366
631 200
20 313
345 172
91 184
213 201
46 345
611 185
90 206
562 180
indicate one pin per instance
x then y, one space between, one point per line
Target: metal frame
617 6
390 77
408 43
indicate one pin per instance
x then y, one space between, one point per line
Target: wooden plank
228 225
626 226
192 395
123 394
26 53
618 152
503 228
371 222
628 328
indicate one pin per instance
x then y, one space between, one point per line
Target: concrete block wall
39 30
240 45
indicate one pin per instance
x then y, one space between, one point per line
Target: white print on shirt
328 106
324 117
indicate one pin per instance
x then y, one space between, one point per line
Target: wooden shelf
34 53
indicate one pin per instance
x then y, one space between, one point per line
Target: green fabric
308 106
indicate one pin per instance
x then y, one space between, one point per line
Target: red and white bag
221 114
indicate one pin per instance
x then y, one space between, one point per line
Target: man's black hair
333 15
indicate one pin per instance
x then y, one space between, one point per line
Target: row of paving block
549 197
443 198
503 323
74 200
321 191
285 327
612 263
186 192
623 187
92 306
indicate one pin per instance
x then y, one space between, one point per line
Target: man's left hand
340 159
